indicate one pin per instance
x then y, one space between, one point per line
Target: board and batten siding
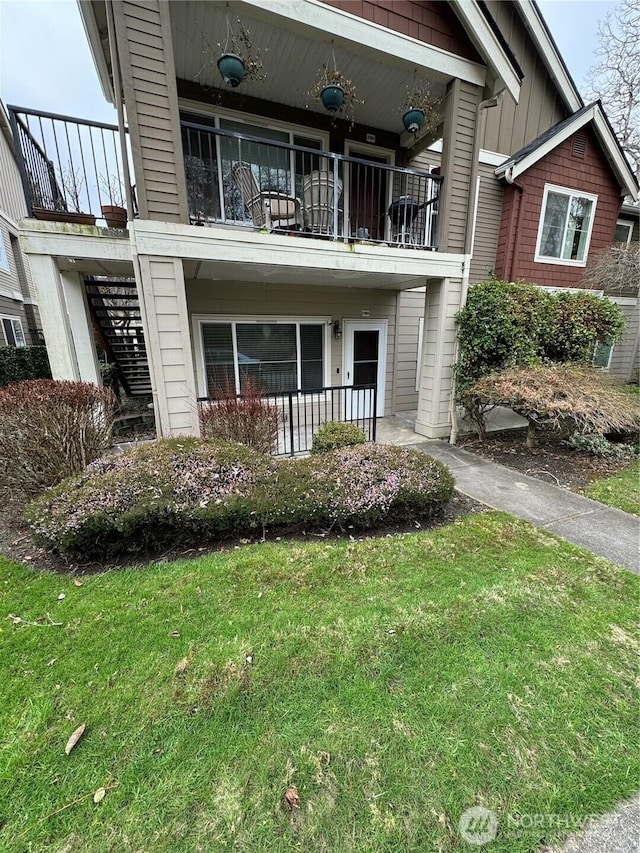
164 311
228 299
149 82
509 126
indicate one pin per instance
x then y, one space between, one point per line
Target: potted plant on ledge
114 213
67 188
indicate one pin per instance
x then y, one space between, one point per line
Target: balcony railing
245 181
301 413
71 169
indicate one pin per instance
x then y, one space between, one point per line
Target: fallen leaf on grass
77 582
61 597
99 795
75 737
291 798
174 634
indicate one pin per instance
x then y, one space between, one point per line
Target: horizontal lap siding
487 225
151 98
238 298
410 312
626 355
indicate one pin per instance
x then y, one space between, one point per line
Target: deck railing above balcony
241 180
71 168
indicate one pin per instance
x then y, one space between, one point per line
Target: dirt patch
553 461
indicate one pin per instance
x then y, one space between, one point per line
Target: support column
54 317
80 325
442 302
163 305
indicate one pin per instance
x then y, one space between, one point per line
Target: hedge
183 492
20 363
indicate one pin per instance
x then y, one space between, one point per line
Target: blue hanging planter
231 67
332 97
413 119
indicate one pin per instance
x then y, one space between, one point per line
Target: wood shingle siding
149 82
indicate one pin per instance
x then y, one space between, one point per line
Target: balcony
248 182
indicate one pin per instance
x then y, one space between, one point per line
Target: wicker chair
268 208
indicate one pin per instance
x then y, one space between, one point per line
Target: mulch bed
552 461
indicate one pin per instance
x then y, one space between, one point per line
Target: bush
18 364
334 434
181 492
50 430
250 419
565 397
598 445
506 324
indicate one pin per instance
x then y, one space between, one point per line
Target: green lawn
622 490
395 682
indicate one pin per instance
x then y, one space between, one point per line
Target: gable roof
526 157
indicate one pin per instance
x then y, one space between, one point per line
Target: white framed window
623 231
13 332
566 223
279 354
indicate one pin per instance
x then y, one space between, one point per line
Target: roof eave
92 33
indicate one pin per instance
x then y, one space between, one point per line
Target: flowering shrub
49 430
335 434
181 492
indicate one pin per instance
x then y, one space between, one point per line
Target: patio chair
320 195
268 208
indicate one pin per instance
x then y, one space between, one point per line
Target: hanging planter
413 119
231 67
420 110
332 97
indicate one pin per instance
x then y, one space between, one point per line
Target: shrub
506 324
598 445
18 364
50 430
250 419
181 492
561 396
334 434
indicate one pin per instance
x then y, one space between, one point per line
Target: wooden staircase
115 312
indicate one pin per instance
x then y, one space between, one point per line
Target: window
565 226
602 354
13 333
279 356
623 231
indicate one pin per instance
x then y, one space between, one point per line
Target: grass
622 490
395 682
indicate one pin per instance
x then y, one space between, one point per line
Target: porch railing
242 180
302 413
70 168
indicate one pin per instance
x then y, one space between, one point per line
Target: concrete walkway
616 832
602 530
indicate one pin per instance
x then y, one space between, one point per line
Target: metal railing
302 413
71 169
237 179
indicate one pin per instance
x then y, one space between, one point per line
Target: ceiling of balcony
291 59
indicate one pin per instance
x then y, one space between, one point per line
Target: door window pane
365 357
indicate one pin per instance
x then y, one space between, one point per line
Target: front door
365 350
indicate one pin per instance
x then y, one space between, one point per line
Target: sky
45 62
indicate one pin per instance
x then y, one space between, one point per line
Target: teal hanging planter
413 119
231 67
332 97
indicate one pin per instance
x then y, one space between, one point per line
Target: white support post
54 317
80 325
